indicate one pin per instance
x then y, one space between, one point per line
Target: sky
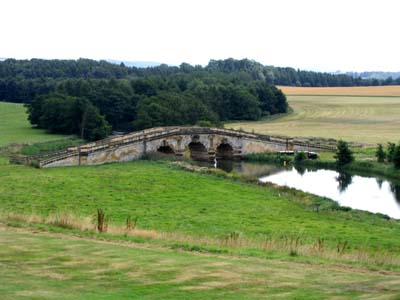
321 35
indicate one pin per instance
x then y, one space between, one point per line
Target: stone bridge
198 143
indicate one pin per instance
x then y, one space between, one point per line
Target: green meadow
167 199
15 127
196 235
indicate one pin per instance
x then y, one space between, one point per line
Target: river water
365 193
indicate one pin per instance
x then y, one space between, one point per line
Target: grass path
37 265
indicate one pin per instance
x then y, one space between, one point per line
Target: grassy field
198 236
39 265
360 119
15 128
200 208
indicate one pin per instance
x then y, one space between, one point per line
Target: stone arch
224 151
198 151
166 149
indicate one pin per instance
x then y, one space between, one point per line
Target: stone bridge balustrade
200 143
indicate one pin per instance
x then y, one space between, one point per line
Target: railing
157 133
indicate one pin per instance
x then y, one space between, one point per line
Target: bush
204 123
300 156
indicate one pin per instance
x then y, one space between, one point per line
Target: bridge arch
165 149
198 151
224 151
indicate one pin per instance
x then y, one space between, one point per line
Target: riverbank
364 164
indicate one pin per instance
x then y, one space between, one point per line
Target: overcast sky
325 35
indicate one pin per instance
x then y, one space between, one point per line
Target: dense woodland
92 98
22 80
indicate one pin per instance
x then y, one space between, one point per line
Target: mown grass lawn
38 265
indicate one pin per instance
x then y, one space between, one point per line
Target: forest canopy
94 107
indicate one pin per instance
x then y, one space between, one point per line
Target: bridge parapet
179 139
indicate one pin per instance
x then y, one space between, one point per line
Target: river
359 192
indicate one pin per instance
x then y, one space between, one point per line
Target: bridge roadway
200 143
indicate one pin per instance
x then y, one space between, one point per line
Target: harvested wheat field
391 90
361 116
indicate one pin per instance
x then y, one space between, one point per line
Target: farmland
368 91
340 113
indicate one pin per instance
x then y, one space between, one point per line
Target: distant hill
375 75
137 64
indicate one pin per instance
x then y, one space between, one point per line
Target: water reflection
379 181
365 193
344 179
301 169
395 188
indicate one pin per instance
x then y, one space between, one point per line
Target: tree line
92 108
23 80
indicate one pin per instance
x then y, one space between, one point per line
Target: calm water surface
364 193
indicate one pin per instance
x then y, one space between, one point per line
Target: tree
380 154
390 151
92 125
343 154
396 156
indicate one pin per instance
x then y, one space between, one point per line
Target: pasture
15 127
353 116
199 208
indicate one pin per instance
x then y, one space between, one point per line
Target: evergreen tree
396 156
390 151
343 154
380 154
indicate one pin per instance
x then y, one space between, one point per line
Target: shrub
204 123
300 156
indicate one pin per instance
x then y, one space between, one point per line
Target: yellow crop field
390 90
362 118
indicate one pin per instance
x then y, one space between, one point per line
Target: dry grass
292 245
391 90
61 266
